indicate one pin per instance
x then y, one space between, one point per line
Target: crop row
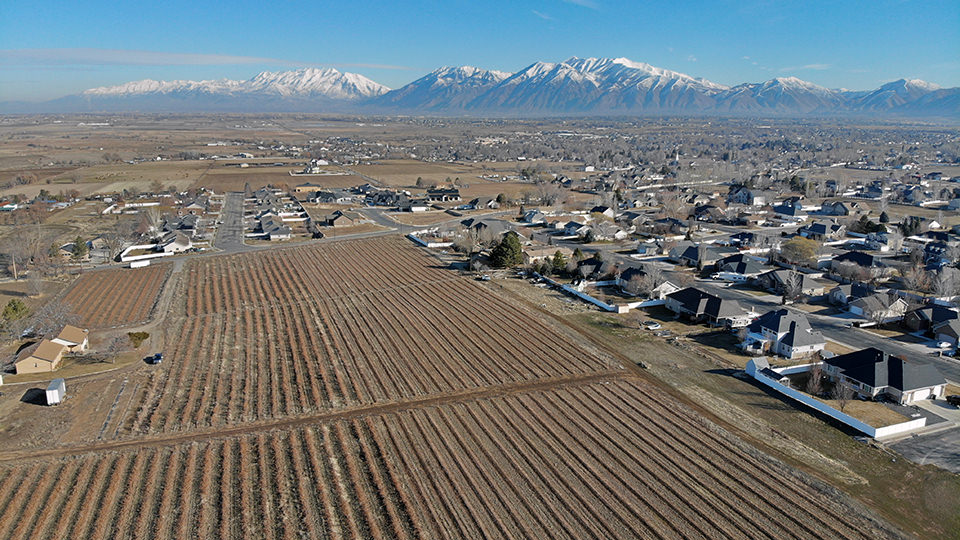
107 298
292 352
600 460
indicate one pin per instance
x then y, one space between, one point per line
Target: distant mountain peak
317 82
575 86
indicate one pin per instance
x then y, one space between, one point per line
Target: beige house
40 357
73 338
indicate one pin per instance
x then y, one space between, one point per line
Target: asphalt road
941 449
230 233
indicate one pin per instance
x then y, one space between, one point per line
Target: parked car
157 359
484 278
954 400
651 325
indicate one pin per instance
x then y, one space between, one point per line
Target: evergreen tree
578 255
508 252
559 262
884 218
14 310
80 249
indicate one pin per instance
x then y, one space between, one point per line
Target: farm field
297 331
599 460
361 389
121 297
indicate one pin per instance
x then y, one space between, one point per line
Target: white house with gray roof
786 333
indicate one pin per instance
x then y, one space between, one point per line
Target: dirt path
324 417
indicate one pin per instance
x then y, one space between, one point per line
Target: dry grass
420 219
837 348
870 412
336 232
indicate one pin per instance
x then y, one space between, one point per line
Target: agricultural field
598 460
362 389
296 331
121 297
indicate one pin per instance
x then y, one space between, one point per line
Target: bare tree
895 240
946 284
115 348
52 317
115 238
793 286
842 394
35 284
916 278
151 219
815 380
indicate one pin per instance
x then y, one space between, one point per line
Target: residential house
41 357
859 258
703 255
534 217
443 195
926 318
846 293
73 338
174 242
306 188
791 209
776 282
743 265
485 229
708 213
698 305
574 228
634 273
532 255
881 307
744 195
947 331
342 218
823 231
834 208
743 239
273 228
604 210
783 332
872 373
606 230
481 203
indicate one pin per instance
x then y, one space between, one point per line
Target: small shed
55 391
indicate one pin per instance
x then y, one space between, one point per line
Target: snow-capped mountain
780 95
308 82
597 84
576 86
447 88
894 94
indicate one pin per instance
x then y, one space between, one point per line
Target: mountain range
577 86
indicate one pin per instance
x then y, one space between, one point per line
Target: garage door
921 394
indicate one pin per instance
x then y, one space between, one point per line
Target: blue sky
50 49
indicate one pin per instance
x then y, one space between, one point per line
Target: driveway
940 408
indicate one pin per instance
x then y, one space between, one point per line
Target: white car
651 325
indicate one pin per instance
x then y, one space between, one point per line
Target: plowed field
360 390
107 298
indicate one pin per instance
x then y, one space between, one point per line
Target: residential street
230 232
